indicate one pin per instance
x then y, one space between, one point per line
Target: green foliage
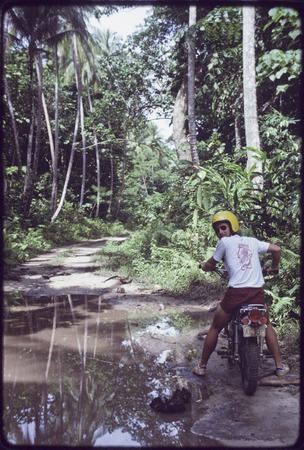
283 291
285 316
195 241
222 27
285 24
277 63
181 322
282 178
142 184
144 257
139 243
272 215
226 186
173 270
20 245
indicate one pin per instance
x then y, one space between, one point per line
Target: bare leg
273 345
220 320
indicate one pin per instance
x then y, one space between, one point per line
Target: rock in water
176 403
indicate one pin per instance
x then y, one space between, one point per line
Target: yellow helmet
228 217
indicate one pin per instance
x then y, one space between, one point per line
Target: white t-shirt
240 255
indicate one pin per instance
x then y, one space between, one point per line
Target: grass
60 257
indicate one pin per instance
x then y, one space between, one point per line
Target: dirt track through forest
219 414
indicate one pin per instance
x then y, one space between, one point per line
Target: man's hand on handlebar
209 265
270 271
202 265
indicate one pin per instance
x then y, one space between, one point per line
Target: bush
20 245
173 270
141 258
65 232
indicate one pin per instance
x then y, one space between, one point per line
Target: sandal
281 371
200 370
201 336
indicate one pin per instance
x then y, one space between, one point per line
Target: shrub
142 259
20 245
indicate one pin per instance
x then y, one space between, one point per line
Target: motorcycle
245 340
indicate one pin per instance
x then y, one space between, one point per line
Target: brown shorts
235 296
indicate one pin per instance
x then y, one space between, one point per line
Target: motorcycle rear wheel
249 363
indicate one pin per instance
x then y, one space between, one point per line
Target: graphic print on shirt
244 255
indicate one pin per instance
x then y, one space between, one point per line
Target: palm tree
70 165
148 152
79 30
37 27
78 69
59 33
8 96
29 28
102 45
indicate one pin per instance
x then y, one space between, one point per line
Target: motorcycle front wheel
249 363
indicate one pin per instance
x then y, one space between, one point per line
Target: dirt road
219 412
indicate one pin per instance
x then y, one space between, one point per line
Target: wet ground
83 358
75 372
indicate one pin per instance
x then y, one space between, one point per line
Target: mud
83 356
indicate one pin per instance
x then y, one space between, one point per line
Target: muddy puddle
79 372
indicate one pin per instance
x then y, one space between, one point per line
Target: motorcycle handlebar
221 272
272 272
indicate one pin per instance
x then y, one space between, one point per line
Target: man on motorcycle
240 255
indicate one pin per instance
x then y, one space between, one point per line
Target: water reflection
74 375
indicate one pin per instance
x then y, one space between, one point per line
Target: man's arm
209 265
275 251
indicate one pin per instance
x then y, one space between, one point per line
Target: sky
124 23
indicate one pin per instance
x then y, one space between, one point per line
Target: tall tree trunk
9 100
38 62
14 125
97 159
97 176
84 154
56 137
33 160
45 109
191 86
250 97
123 176
79 92
237 132
29 154
48 127
78 118
179 124
112 182
69 170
